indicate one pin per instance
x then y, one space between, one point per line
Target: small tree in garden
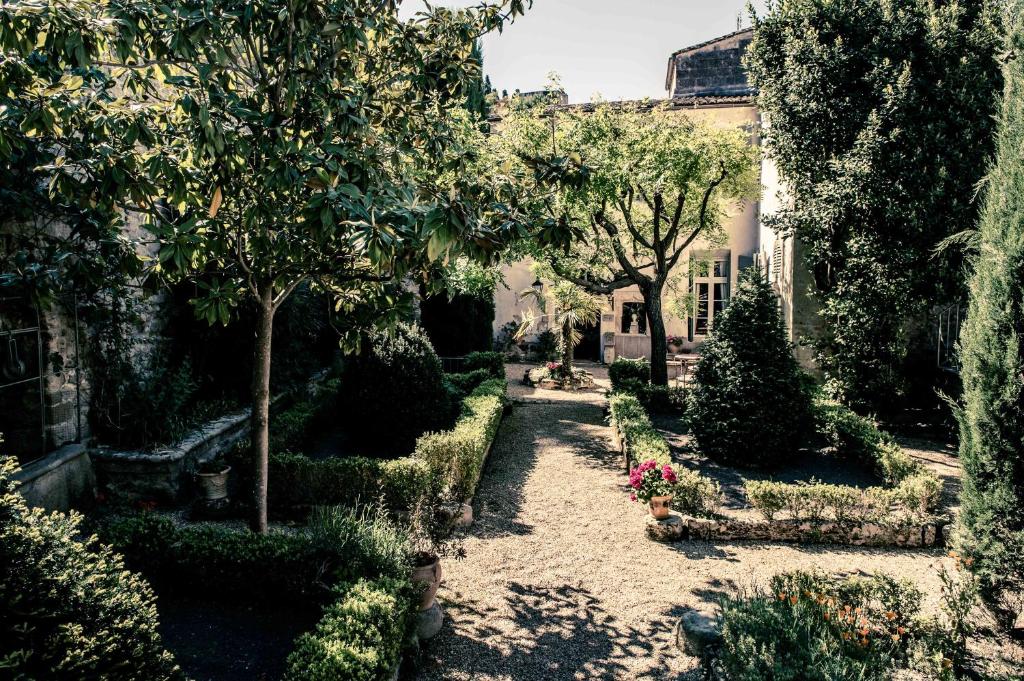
991 416
748 405
637 187
317 141
393 391
574 309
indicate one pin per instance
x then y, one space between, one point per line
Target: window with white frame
709 289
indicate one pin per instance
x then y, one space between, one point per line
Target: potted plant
213 479
653 486
431 540
675 343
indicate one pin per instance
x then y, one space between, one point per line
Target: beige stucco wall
742 238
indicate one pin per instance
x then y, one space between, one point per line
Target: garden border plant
445 465
353 565
820 513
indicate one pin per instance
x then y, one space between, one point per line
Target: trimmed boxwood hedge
694 494
360 636
445 463
492 362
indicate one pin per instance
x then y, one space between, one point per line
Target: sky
618 49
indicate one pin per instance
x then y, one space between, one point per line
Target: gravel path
560 582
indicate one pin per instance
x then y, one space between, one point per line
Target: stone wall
681 527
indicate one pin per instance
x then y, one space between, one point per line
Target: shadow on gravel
524 432
571 636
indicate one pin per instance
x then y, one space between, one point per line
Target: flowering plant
648 481
554 369
674 340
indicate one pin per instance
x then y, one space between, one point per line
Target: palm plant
574 309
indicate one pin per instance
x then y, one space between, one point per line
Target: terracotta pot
214 486
430 575
660 507
674 349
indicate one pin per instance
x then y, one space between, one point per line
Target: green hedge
694 493
360 636
456 457
297 480
356 564
68 608
220 560
493 362
657 399
623 369
464 383
447 462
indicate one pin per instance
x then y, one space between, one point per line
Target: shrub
493 362
658 399
748 405
623 369
916 495
464 383
218 560
456 457
68 608
693 493
991 417
360 636
895 465
808 626
394 391
842 429
297 480
641 440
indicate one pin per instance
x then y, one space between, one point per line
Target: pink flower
668 474
632 497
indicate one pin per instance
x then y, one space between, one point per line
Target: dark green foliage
748 404
992 358
393 391
880 123
848 433
221 561
493 362
457 324
799 630
657 399
546 346
68 608
361 634
463 383
297 480
628 370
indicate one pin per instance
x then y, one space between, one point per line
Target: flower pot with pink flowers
654 485
675 344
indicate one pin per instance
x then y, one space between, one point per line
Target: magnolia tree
320 142
636 187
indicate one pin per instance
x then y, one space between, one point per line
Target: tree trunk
260 431
567 349
656 328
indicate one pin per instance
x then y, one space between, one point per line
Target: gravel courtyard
560 582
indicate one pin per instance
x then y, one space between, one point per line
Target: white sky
616 48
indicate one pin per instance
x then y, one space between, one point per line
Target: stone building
705 82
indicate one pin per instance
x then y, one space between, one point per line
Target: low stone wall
161 475
681 527
59 481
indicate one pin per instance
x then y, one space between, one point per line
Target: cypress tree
748 405
991 416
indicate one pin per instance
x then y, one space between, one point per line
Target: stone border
586 383
162 474
59 481
679 527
